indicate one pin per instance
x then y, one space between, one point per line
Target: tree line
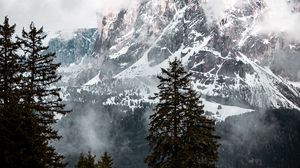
88 161
179 135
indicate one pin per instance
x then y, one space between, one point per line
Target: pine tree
180 135
86 161
10 65
165 131
81 161
42 74
41 99
13 136
105 161
200 145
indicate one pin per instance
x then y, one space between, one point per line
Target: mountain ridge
231 65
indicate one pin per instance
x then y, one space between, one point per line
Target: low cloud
280 17
57 15
216 9
86 129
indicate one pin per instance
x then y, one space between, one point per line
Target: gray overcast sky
57 15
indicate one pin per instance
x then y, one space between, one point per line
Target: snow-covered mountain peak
232 63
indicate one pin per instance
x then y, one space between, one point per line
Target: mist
85 129
216 9
255 139
57 15
117 130
280 18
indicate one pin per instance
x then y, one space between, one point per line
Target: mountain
231 64
236 69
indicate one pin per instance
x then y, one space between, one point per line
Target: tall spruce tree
13 135
165 127
180 135
41 99
105 161
10 65
200 144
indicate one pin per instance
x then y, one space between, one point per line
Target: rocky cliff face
71 46
231 63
